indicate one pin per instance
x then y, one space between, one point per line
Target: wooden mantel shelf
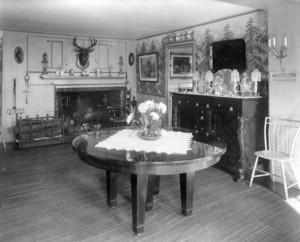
81 77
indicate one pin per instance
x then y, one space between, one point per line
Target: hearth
88 108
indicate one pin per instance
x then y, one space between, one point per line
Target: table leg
156 185
153 189
187 192
112 182
150 192
139 185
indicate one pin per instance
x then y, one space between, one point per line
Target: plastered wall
284 97
40 99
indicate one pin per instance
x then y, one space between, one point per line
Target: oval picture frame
131 59
19 55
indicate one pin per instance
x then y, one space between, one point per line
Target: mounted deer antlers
83 54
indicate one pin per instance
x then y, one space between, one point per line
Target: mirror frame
168 48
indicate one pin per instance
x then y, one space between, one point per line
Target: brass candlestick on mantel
27 78
121 65
45 65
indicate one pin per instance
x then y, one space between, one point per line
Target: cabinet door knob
197 104
201 118
187 101
207 105
201 128
179 102
219 105
230 109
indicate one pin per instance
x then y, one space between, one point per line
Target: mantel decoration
82 61
148 119
45 65
27 79
121 63
235 79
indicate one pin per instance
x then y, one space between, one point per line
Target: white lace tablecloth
171 142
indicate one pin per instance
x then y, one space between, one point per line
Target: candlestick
235 78
195 80
14 109
280 54
255 77
285 41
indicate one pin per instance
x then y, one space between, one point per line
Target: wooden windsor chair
279 137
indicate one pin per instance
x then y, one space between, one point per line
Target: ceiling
121 19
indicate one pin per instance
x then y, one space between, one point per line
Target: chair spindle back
280 134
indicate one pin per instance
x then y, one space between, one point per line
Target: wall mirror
180 61
180 66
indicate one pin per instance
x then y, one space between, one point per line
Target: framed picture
131 59
148 67
181 65
19 55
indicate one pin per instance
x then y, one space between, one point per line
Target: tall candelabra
280 54
14 110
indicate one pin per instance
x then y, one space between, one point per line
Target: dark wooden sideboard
226 117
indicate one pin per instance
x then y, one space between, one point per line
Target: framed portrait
181 65
148 67
131 59
19 55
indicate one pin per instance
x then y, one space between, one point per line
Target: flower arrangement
149 119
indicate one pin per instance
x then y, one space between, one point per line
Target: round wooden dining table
145 168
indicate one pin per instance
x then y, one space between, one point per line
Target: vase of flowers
148 119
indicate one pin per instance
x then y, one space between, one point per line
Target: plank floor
48 194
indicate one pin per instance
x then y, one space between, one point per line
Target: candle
209 76
256 75
270 43
285 41
274 42
235 76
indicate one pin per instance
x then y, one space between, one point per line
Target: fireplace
89 108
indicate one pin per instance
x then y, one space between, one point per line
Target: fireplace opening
86 109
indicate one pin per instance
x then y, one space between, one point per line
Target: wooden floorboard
48 194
